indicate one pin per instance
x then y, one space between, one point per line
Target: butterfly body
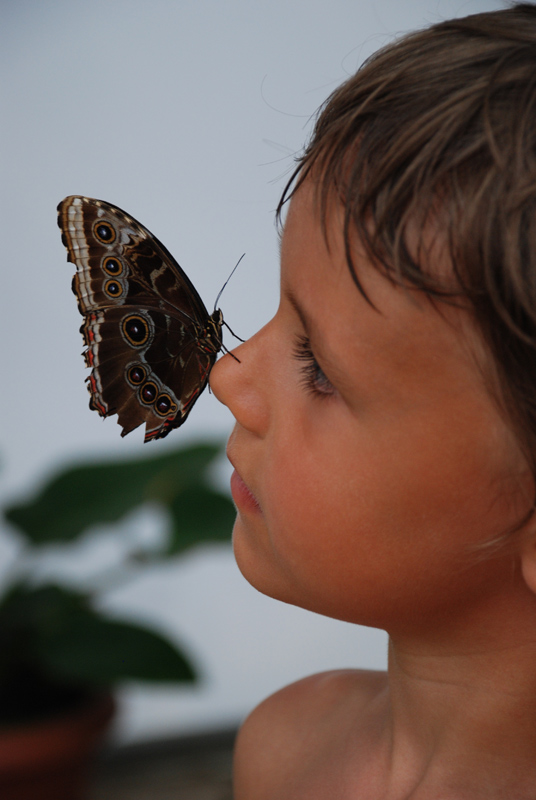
151 342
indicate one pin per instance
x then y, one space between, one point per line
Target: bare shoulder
293 731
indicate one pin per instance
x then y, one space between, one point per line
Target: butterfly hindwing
150 341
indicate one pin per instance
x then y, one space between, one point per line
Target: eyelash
313 377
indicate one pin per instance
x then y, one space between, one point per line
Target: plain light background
186 114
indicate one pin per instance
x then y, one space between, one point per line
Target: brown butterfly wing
150 341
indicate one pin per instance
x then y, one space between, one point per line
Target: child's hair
441 127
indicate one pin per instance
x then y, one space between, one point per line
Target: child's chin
256 566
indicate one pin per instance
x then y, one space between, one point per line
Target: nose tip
237 383
219 374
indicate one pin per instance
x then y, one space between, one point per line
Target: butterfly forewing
150 340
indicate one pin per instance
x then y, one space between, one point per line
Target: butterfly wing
150 341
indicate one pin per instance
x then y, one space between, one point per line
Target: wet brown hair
442 124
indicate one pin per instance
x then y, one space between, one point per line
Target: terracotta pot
50 759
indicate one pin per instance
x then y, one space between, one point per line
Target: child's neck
460 711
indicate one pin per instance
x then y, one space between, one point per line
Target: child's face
373 454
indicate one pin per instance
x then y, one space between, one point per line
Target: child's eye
314 379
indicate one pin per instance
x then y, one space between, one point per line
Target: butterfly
151 342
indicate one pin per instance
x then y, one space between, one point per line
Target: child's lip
243 497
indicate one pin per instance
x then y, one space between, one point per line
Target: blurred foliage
55 646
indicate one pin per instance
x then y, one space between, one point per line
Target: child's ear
528 553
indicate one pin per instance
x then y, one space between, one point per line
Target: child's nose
221 377
236 383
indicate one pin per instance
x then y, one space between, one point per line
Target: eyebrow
304 319
327 360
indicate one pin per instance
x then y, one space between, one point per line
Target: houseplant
60 656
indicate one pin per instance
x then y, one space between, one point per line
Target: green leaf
200 514
57 628
105 651
105 492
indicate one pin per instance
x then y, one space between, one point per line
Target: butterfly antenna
232 332
225 284
230 353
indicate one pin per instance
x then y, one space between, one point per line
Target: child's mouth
243 498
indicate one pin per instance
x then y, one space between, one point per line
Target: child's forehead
321 227
395 323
